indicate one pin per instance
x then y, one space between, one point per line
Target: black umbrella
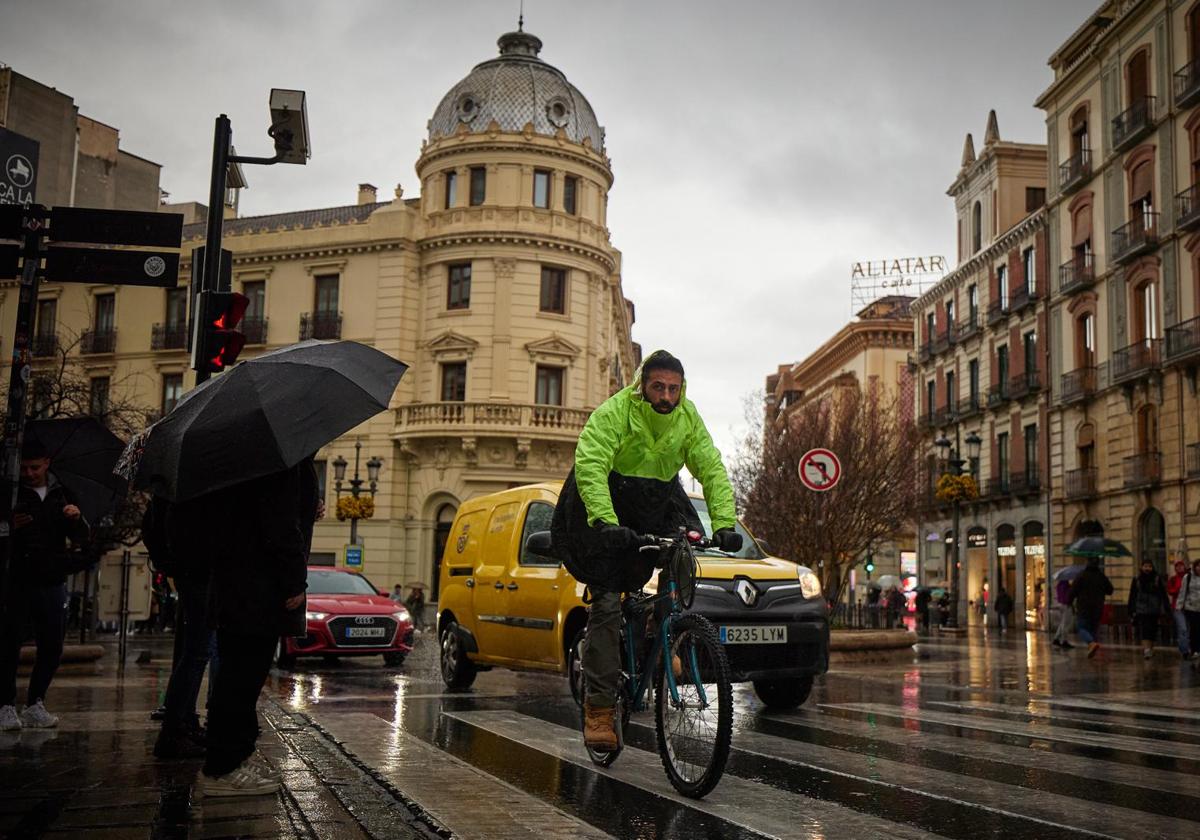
82 455
1097 546
263 416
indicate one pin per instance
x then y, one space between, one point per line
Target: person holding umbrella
1147 603
46 521
1088 592
1066 613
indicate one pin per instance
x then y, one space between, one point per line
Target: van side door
491 565
533 583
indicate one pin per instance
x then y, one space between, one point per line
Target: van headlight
810 586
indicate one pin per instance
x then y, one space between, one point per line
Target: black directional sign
116 227
18 168
9 257
101 265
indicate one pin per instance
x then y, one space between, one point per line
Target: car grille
338 627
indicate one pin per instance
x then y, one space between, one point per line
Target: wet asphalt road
984 737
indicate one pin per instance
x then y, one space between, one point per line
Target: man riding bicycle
625 483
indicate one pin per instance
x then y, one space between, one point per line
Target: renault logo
746 591
363 619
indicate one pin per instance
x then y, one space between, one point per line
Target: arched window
1144 320
1080 145
1141 194
976 228
441 535
1085 340
1147 430
1152 540
1137 77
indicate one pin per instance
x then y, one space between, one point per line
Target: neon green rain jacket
620 436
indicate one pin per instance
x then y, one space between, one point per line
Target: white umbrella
889 581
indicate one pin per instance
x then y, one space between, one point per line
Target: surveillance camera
289 126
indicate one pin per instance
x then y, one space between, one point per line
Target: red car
348 617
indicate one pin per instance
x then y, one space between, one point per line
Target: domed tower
523 325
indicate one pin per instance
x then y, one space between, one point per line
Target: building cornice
851 340
530 241
1121 11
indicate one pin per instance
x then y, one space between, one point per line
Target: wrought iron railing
44 345
1133 122
1078 384
1193 459
98 341
1187 84
1183 339
997 311
1136 359
1023 384
1143 469
255 330
1023 296
168 336
968 327
1027 482
1075 170
1187 208
1135 237
1082 483
320 325
998 394
1076 274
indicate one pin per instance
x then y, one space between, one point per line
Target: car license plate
369 632
754 634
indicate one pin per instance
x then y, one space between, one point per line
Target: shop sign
1006 551
18 168
976 539
1035 551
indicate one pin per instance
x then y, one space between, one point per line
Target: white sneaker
264 767
246 780
8 718
36 717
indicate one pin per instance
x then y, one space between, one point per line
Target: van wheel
457 670
575 667
783 695
282 658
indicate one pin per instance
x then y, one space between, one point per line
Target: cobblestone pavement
976 737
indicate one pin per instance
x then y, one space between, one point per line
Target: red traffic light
218 342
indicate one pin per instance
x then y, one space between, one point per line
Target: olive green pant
602 649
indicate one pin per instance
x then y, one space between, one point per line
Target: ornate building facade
499 286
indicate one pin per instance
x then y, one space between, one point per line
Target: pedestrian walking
1174 586
1148 602
924 596
259 578
1066 615
873 606
397 595
415 602
1088 592
1189 600
895 607
1004 608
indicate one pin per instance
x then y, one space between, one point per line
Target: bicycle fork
692 665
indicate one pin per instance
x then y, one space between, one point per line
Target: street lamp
374 464
953 464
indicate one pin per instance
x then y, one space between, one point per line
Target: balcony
1082 483
1026 483
168 337
1187 84
928 420
1023 297
1078 385
1024 384
998 395
969 407
1137 359
998 487
997 311
44 346
321 325
98 341
1075 171
925 351
968 328
489 419
1193 460
945 416
255 330
1136 237
1076 274
1187 208
1143 470
1132 124
943 341
1183 340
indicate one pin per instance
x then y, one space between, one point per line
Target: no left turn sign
819 470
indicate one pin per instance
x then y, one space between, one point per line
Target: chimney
366 194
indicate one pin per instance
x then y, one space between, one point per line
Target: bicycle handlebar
653 542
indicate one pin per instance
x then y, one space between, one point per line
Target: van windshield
749 550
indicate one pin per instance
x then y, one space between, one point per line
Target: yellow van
504 604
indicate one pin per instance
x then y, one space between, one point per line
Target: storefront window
1006 563
1034 547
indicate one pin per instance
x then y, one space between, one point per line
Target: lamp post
953 464
374 464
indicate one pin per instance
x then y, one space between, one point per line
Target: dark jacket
646 505
1148 595
1004 604
1089 590
261 554
48 549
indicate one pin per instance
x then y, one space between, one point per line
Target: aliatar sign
902 267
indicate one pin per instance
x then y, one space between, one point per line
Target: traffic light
870 565
218 341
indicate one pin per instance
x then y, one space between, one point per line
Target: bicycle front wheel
695 723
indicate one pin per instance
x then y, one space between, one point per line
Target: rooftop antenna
521 18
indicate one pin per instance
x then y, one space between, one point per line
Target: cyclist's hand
728 539
617 537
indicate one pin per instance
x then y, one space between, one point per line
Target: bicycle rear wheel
694 732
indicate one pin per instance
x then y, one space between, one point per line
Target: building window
950 316
478 185
1031 449
549 386
554 290
106 314
951 392
1086 340
570 188
1002 456
451 189
98 396
1002 367
172 390
454 382
1002 286
973 303
176 316
256 294
930 396
541 188
930 326
973 381
1029 343
1030 265
458 288
326 302
1035 197
976 228
47 318
1080 144
1145 315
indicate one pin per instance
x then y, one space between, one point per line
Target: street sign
819 470
116 227
104 265
18 168
10 256
353 556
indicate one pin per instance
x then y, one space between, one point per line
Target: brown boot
598 731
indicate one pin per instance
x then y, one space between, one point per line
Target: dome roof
515 89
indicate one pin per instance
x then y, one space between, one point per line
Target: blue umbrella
1068 573
1097 546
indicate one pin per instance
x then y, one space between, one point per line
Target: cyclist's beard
663 406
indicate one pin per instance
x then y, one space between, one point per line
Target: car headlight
810 586
315 616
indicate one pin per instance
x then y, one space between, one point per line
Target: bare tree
873 501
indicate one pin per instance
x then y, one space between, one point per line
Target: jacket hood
635 387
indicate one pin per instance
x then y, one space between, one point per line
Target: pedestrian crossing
975 766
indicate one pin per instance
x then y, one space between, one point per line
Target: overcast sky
759 147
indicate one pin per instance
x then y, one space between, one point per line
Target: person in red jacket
1174 584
